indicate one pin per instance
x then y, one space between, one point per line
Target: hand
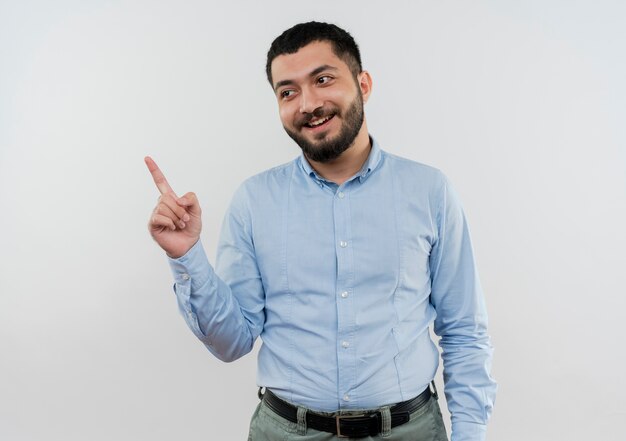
175 223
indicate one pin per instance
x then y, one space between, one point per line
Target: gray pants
426 424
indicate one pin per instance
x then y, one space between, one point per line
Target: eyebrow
314 72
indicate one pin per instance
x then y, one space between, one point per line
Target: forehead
304 61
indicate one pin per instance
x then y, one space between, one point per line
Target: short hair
298 36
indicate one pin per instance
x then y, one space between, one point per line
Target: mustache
319 112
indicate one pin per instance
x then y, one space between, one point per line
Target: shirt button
346 397
345 344
343 244
341 195
185 276
344 294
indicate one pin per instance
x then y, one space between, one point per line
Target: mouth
319 123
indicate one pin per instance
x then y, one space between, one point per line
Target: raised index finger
158 176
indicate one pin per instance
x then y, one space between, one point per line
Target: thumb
190 202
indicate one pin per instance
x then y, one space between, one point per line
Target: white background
521 104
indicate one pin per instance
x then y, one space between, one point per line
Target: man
340 260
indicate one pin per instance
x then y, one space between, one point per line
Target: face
319 101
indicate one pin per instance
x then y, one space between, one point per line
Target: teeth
319 121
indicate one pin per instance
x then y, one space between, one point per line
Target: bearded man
340 260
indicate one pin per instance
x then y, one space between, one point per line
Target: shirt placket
344 298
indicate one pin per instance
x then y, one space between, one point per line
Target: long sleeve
342 296
226 313
461 323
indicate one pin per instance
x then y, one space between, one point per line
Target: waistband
358 425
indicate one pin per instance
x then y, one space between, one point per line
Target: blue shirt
342 284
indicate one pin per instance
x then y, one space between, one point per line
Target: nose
309 100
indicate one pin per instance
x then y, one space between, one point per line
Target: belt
366 423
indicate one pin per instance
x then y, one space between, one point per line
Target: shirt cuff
466 431
193 268
191 271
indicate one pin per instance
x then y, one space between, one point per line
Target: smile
313 124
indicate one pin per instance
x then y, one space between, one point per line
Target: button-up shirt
342 283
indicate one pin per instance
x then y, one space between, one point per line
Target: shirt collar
372 162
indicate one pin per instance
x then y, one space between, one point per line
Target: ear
365 84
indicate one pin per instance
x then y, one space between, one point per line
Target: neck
348 163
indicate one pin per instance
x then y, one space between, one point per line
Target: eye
324 79
286 93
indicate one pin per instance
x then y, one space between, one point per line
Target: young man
340 260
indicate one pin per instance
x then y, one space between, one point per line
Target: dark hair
290 41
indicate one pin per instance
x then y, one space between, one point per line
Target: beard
327 149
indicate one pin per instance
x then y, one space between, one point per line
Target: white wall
522 104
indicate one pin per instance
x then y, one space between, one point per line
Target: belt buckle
338 419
